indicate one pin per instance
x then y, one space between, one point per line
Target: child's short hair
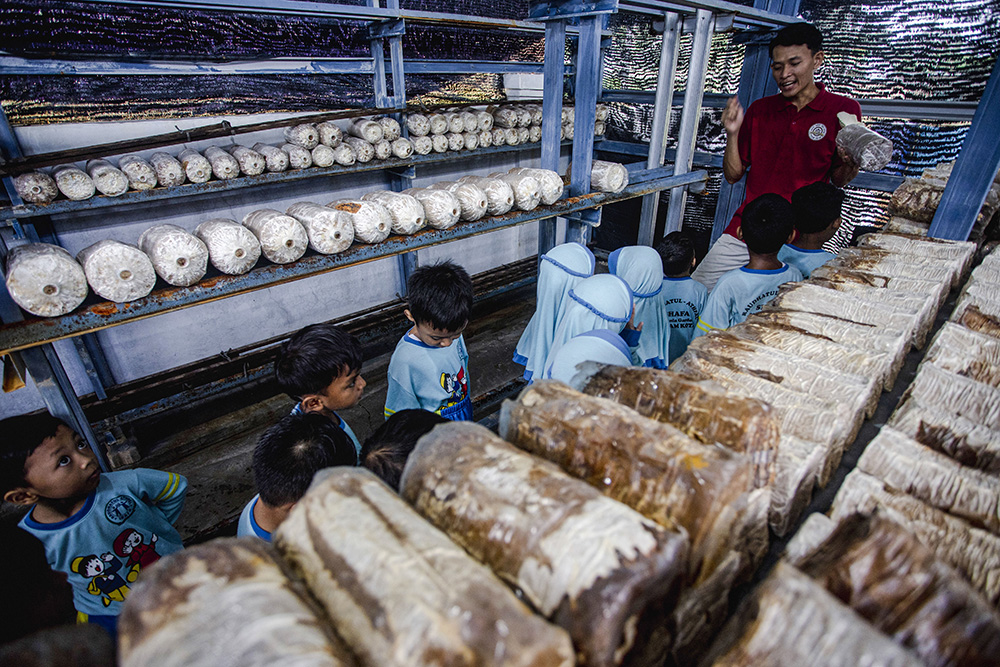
386 450
816 206
795 34
289 453
676 252
440 295
767 223
314 357
21 436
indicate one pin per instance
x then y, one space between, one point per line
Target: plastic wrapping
550 183
592 565
383 149
469 121
140 173
456 125
523 116
251 162
227 603
536 114
418 125
371 221
485 138
224 165
298 157
523 134
484 121
535 133
169 171
526 189
608 176
936 290
324 156
73 182
343 154
456 141
499 194
437 123
968 442
967 353
196 166
44 279
117 271
470 140
422 145
282 238
406 211
178 256
439 142
869 149
36 187
402 148
305 135
329 134
471 198
108 179
977 401
511 136
504 117
329 231
390 128
232 248
568 131
441 208
363 150
276 159
499 136
960 252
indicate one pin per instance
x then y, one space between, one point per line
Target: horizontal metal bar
545 10
881 182
630 148
474 67
36 331
7 214
743 15
387 28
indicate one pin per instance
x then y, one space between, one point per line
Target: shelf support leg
552 99
588 69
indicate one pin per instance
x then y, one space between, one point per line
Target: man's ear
409 315
739 232
819 57
22 495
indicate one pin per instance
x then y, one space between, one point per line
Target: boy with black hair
284 461
386 450
79 514
427 370
816 208
767 224
320 367
685 297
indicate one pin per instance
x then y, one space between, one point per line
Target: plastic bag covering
363 150
422 145
329 231
73 182
232 247
277 159
329 134
499 195
169 171
398 590
586 562
868 148
141 175
550 183
650 466
383 149
402 148
390 128
305 135
117 271
471 198
44 279
251 162
418 125
298 157
197 168
971 444
406 211
371 222
178 256
608 176
225 603
108 179
441 208
282 237
224 165
526 189
324 156
367 129
36 187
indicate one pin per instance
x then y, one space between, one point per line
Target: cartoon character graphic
129 545
103 578
456 385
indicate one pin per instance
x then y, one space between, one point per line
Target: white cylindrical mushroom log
499 194
471 197
371 221
418 125
36 187
251 162
383 149
276 159
536 114
44 279
568 114
523 117
140 173
298 157
511 136
440 143
599 129
117 271
305 135
282 237
441 208
73 182
471 140
367 129
178 256
169 171
535 133
406 211
499 136
455 123
522 135
504 117
527 190
567 131
108 179
232 248
437 123
550 183
197 167
329 230
602 113
344 155
485 138
324 156
608 176
422 145
390 128
484 121
469 121
224 165
402 148
329 133
456 142
363 150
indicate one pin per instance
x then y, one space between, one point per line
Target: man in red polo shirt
783 141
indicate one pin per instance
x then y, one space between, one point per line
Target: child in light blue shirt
816 209
641 268
683 296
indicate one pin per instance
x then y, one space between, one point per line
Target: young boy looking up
816 211
79 514
767 224
286 457
429 368
320 367
386 450
685 297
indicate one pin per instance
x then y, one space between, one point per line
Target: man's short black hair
816 206
19 436
314 357
795 34
289 453
767 223
440 295
386 450
676 253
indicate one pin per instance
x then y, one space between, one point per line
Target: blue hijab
641 267
559 271
600 345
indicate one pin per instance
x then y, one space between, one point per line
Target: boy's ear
409 315
791 237
835 225
312 403
694 261
22 495
739 232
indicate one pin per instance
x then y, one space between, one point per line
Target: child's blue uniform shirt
740 293
429 378
685 299
125 524
806 261
248 526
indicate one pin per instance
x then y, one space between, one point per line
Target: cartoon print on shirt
129 545
457 386
103 578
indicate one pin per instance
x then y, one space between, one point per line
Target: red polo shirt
785 148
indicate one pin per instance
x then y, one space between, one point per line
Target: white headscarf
600 345
560 269
641 267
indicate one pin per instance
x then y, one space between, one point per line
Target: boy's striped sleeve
165 491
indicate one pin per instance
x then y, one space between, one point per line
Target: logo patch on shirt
817 131
119 509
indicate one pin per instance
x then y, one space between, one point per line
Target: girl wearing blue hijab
641 267
598 302
600 345
559 271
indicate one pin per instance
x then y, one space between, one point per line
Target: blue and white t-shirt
248 526
742 292
429 378
685 299
806 261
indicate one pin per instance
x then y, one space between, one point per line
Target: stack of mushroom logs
624 508
302 146
46 280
